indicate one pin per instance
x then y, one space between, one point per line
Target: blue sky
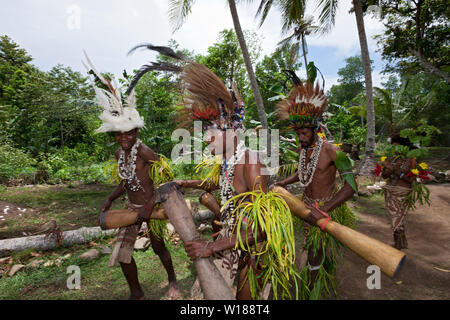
58 31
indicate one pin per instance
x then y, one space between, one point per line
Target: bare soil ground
428 235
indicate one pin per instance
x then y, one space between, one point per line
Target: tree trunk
213 285
367 163
304 55
430 68
251 73
78 236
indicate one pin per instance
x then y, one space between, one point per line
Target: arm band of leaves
344 164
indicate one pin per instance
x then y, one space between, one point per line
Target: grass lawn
71 206
98 281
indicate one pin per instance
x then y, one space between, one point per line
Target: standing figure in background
398 187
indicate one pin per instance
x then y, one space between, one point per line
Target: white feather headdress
115 116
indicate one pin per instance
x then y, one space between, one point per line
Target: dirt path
428 234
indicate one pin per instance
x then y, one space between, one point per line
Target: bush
15 163
88 174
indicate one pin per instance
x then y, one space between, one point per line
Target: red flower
424 175
409 174
377 170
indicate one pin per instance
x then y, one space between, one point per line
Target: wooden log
208 200
212 283
78 236
112 219
387 258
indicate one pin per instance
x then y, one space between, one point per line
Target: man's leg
243 286
131 274
314 263
160 249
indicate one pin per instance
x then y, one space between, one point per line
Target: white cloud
344 35
109 29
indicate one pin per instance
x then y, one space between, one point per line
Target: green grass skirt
331 249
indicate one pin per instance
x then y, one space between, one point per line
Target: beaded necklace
227 190
306 170
128 171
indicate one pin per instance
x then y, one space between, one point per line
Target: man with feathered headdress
134 162
319 160
255 244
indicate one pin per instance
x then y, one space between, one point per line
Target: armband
344 165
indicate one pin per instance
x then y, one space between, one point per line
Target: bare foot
136 296
174 292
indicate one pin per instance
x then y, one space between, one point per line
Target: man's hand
315 215
276 184
198 249
145 212
106 205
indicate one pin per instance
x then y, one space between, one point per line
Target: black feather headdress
206 97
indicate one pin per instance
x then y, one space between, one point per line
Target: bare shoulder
147 153
330 149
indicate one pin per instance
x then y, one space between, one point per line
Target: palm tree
295 23
178 12
327 19
295 8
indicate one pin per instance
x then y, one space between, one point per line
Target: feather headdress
205 97
304 107
116 116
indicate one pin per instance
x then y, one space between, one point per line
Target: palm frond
327 17
263 10
178 12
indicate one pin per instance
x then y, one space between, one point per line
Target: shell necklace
306 170
227 190
128 171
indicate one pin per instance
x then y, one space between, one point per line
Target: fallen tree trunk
41 242
211 281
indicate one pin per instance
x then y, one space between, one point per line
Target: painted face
126 139
305 136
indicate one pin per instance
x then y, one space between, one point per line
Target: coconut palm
327 19
328 8
178 12
295 24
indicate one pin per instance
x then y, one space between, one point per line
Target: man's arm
117 192
344 168
197 184
292 179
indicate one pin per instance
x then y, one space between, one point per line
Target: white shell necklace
128 171
306 171
226 179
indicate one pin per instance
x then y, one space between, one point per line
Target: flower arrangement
419 192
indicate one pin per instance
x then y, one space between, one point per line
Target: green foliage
351 81
15 163
416 32
344 164
269 213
